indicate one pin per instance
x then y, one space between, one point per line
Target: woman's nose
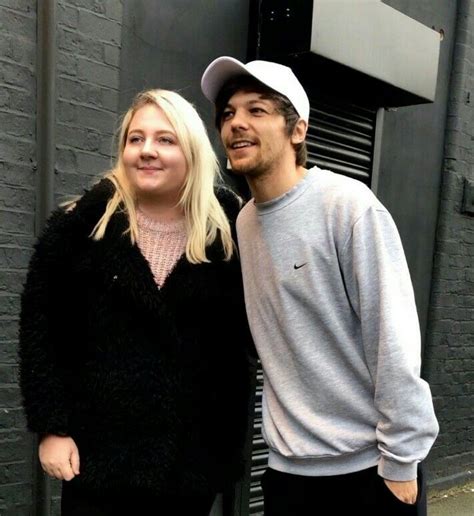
148 149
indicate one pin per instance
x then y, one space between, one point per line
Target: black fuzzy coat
152 384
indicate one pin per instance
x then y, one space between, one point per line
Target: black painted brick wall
449 354
89 38
17 205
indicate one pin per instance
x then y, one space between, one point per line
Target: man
330 303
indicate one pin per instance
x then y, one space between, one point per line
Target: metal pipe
374 184
45 110
46 157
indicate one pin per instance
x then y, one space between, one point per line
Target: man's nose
239 120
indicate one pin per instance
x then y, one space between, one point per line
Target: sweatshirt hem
325 466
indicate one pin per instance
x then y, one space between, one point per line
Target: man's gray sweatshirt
331 309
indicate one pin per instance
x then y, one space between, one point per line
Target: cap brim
218 73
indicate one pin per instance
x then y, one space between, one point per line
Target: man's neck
274 183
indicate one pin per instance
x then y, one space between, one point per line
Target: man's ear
299 132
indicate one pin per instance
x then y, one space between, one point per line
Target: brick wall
17 204
88 39
449 355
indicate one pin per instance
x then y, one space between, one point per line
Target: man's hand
404 491
59 457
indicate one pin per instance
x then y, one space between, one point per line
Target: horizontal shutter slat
340 138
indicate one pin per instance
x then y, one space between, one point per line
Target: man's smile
240 144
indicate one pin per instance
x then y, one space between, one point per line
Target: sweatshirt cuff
398 471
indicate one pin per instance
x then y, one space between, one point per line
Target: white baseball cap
276 76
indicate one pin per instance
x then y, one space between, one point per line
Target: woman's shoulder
77 217
229 200
95 198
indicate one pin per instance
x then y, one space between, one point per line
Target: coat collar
123 266
121 263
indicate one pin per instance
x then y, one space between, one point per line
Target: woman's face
154 162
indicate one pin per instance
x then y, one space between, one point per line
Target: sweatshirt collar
288 197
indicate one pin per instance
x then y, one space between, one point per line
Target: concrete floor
454 502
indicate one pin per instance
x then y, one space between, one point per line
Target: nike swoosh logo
299 266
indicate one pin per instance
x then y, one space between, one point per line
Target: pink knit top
161 243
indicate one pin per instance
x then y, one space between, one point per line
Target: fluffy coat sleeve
41 380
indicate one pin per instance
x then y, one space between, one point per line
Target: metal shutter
259 451
340 138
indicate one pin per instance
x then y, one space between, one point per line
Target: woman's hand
405 491
59 457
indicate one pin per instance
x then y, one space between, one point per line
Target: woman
133 334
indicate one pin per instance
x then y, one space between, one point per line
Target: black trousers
76 501
363 492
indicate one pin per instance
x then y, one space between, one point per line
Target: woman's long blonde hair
205 218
